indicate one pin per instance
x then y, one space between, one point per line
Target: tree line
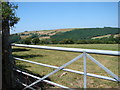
35 40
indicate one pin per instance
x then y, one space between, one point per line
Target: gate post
0 46
84 63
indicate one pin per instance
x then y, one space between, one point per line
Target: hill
68 36
43 34
84 34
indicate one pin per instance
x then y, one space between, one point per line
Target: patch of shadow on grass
28 80
22 66
19 50
28 56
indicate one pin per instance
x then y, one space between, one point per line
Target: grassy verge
58 58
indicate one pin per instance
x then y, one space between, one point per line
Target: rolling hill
70 35
43 34
84 34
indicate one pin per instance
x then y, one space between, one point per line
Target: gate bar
61 67
36 77
93 51
25 85
69 70
103 67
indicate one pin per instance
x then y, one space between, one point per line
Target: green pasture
58 58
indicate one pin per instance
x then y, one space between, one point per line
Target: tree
45 41
66 41
34 35
35 41
27 40
9 19
15 38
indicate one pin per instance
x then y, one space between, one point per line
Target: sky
60 15
63 0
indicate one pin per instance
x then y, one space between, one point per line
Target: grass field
58 58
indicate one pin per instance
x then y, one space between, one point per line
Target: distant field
58 58
113 47
116 35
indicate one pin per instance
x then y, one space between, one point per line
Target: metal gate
85 54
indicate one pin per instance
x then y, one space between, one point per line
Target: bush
45 41
34 35
25 41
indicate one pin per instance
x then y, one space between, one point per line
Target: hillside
106 36
44 34
68 36
84 34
